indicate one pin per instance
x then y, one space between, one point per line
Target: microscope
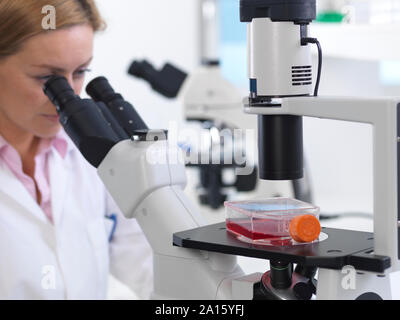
211 100
193 260
281 93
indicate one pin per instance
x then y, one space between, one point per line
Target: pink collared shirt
12 159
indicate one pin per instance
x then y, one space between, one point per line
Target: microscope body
146 177
147 180
281 78
384 115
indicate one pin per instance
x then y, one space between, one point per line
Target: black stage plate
341 248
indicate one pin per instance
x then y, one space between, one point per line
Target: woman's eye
77 74
44 78
81 72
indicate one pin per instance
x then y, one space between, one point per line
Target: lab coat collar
59 170
58 174
16 192
59 167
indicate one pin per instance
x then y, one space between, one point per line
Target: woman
55 230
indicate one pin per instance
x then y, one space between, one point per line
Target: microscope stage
340 248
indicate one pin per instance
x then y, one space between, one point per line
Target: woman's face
23 105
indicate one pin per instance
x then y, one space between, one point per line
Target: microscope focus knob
302 291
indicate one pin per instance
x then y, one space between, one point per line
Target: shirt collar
3 143
61 143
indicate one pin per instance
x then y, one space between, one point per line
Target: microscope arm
383 115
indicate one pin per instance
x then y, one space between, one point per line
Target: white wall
157 30
340 153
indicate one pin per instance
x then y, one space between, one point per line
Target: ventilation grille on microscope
301 75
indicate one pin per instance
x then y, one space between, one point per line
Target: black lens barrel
100 89
280 147
59 91
298 11
82 120
281 274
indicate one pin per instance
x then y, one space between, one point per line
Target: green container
330 17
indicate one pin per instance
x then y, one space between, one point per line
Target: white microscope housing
278 66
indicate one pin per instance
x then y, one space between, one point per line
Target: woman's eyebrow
57 69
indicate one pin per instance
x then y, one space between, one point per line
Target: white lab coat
72 258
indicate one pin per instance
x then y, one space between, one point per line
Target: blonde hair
22 19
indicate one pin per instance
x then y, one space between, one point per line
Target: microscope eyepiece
83 121
100 89
168 81
58 90
141 69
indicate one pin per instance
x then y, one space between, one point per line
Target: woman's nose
74 85
70 80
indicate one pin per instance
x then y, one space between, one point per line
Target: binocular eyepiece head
59 90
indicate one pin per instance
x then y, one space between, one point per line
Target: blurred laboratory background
360 40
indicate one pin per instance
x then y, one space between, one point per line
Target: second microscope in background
211 100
